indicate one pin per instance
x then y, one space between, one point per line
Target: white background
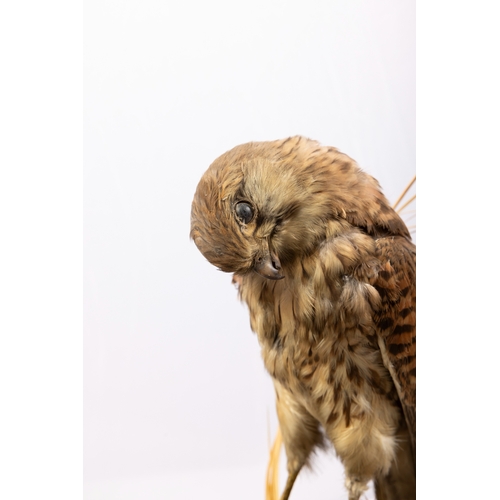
176 401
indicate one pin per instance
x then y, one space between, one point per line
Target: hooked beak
268 266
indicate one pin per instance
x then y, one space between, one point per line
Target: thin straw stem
407 203
404 192
272 479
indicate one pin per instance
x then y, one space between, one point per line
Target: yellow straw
404 192
272 478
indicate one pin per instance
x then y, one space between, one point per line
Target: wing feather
396 320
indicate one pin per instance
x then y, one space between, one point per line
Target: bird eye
244 212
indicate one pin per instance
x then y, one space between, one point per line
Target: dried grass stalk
272 477
405 190
414 197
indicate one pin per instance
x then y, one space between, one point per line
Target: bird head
262 205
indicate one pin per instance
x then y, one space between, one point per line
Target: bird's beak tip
269 267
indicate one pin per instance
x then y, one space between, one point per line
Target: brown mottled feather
396 320
338 331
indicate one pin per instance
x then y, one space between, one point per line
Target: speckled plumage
327 269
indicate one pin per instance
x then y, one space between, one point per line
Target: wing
396 320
